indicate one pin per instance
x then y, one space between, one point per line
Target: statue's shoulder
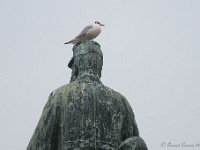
63 89
114 93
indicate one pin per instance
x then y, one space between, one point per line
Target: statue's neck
88 78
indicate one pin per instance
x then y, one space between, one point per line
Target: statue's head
87 60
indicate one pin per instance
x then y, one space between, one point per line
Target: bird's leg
90 39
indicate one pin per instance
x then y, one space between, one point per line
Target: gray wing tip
72 41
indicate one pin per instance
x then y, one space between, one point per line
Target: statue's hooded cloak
84 114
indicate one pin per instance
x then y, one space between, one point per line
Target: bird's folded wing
84 31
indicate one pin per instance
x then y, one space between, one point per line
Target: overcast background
151 56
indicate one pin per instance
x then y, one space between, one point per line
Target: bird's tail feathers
70 41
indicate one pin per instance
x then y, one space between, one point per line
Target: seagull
88 33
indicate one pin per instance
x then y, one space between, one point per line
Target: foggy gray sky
151 56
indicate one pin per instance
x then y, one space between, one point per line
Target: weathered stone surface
85 114
133 143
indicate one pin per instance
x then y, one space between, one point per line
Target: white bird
88 33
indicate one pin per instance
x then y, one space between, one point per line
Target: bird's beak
102 24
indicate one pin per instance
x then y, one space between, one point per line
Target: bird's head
97 22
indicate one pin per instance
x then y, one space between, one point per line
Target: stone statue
85 114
